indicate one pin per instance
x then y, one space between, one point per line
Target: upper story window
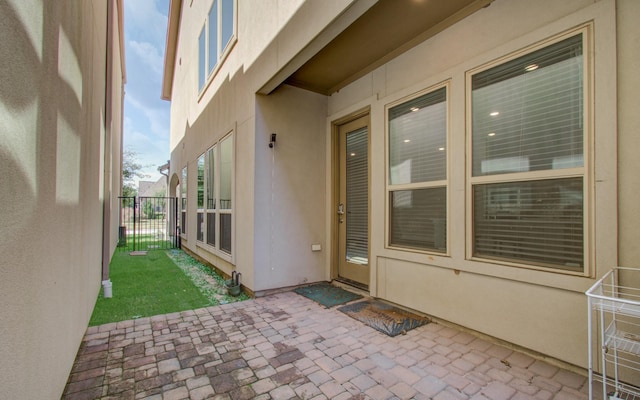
417 186
216 38
528 176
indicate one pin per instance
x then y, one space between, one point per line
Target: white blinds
528 118
536 222
357 207
418 156
417 139
418 219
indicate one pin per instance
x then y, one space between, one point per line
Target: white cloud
158 119
151 152
146 122
145 20
149 54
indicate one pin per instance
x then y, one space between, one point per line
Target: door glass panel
357 207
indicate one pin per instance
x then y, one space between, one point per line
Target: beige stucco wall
289 186
628 43
541 311
257 21
52 127
229 104
113 148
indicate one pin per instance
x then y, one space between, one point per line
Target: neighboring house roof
151 189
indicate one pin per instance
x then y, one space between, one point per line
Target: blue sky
146 116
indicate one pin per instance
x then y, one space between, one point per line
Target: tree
131 169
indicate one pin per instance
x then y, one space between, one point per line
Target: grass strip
144 286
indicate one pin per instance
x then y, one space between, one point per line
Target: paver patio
286 346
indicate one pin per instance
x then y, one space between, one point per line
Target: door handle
340 209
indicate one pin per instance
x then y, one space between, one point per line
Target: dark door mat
384 317
327 294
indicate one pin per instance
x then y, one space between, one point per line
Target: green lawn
144 286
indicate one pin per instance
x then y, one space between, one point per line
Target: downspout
165 167
107 180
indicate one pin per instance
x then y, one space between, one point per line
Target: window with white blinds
527 167
357 183
418 172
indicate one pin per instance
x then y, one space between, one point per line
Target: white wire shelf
622 341
614 335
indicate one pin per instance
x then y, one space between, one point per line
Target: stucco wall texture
284 200
59 161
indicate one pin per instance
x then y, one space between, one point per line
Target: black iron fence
148 223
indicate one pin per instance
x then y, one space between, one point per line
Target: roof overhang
384 31
364 38
171 45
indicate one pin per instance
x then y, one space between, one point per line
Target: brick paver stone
284 346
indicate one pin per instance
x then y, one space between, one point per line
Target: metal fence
148 223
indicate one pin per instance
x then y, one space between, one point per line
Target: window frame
217 211
183 202
585 172
446 183
211 152
220 209
200 185
222 50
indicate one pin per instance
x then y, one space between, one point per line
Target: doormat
384 317
327 294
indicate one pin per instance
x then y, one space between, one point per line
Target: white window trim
586 172
224 52
184 191
421 185
208 210
229 257
204 197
